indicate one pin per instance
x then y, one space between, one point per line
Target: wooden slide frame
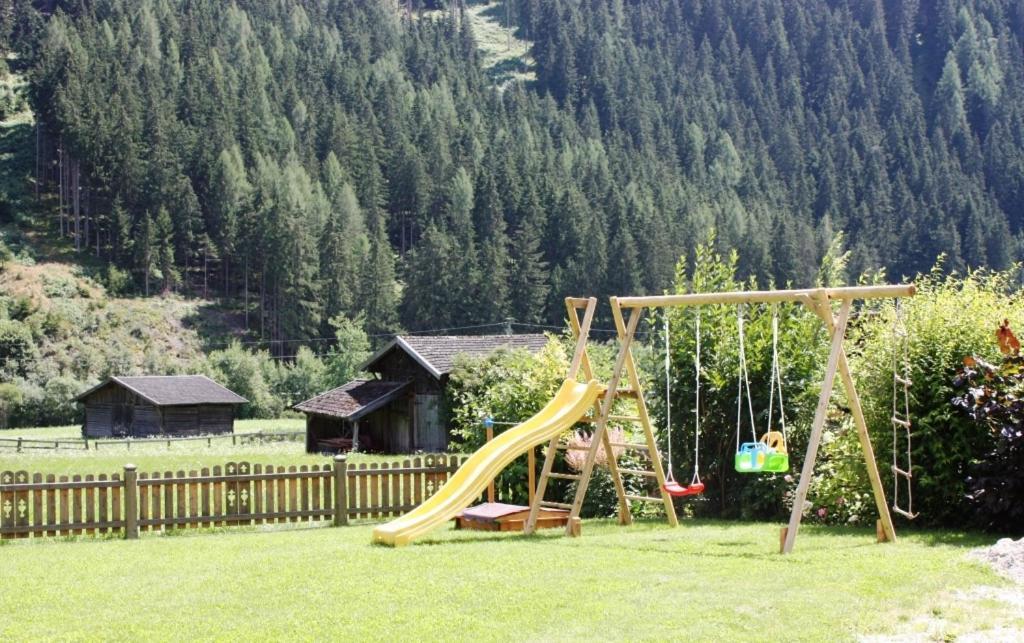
818 300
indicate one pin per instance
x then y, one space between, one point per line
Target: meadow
702 581
156 455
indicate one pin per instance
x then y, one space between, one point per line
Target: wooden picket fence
239 493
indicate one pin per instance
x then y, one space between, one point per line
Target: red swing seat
673 488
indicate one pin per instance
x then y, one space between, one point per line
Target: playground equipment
500 516
770 454
696 487
901 417
574 399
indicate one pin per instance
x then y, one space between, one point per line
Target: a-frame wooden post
625 346
580 363
819 304
600 418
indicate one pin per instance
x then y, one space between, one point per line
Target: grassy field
701 581
157 456
75 431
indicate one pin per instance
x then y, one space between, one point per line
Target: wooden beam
885 518
597 437
838 335
768 296
645 420
581 339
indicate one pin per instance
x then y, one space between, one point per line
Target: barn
158 405
400 411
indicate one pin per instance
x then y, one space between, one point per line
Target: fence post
19 445
131 500
340 497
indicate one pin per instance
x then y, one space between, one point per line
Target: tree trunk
60 186
263 289
39 140
76 203
245 287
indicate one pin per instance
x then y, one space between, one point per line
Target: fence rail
34 443
239 493
19 444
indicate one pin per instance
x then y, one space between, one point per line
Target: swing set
767 453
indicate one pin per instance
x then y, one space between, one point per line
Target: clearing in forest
505 57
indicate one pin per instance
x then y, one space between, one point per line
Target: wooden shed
158 405
401 410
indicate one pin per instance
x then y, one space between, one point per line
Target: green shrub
59 286
302 379
59 406
508 386
117 282
10 399
17 348
803 349
351 349
245 373
993 396
950 317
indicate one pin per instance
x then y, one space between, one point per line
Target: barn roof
436 353
172 390
353 400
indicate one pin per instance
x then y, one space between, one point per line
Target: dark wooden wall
398 366
114 411
319 427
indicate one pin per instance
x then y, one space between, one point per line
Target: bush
950 317
17 348
803 348
302 379
349 352
117 281
994 399
245 373
508 386
10 399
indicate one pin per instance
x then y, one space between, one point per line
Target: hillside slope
345 158
60 329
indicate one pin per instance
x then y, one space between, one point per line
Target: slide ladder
599 418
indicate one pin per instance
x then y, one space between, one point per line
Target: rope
901 347
776 381
668 398
744 378
696 409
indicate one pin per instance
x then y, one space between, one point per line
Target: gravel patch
1006 557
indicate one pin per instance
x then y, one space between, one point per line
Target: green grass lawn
74 431
704 581
157 456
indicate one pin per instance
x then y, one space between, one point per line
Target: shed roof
172 390
436 353
353 400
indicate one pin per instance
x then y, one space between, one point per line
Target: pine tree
344 246
147 253
379 288
163 233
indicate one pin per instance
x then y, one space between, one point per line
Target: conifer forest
302 160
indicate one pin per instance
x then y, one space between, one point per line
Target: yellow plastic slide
572 402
